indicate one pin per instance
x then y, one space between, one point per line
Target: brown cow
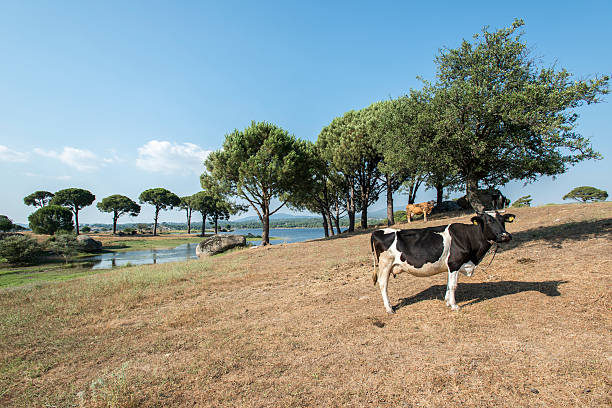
420 208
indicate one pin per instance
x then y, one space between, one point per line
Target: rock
89 244
219 243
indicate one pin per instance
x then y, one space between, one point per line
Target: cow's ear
509 217
476 220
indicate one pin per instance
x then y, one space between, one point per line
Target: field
301 325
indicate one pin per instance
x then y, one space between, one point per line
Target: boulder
89 244
219 243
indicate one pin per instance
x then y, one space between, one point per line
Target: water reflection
150 256
187 251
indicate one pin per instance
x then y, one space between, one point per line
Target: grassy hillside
302 325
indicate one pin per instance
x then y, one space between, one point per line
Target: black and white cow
424 252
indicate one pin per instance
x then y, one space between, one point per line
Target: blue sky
119 97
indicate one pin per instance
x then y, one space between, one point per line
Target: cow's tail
375 273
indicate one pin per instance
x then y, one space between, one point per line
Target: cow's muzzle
505 237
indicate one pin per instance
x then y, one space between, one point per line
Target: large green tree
75 199
258 164
220 207
586 194
390 124
406 129
202 202
161 199
186 205
38 198
118 205
50 219
316 197
503 116
5 223
353 151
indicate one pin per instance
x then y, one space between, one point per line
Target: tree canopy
161 199
258 164
75 199
220 207
502 117
38 198
186 205
51 219
5 223
351 149
202 202
118 205
586 194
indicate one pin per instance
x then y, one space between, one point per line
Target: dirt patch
302 325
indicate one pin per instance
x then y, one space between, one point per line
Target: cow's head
493 225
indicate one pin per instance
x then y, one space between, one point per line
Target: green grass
21 275
55 270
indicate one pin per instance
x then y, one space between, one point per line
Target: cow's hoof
455 307
390 311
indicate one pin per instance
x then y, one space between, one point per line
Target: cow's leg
409 216
384 270
450 290
425 215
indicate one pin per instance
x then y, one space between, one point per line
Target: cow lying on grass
420 208
424 252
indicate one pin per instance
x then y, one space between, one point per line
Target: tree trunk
115 217
189 221
203 224
439 194
76 217
365 198
351 209
155 224
390 217
329 222
337 219
265 235
412 189
325 223
216 225
471 191
364 217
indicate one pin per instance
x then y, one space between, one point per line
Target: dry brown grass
302 325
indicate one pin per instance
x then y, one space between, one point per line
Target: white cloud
12 156
166 157
45 176
80 159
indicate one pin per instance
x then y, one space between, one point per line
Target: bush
400 216
586 194
20 249
65 245
51 219
86 229
524 201
5 223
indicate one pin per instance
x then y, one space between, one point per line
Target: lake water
187 251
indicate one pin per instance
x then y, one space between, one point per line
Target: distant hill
276 217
